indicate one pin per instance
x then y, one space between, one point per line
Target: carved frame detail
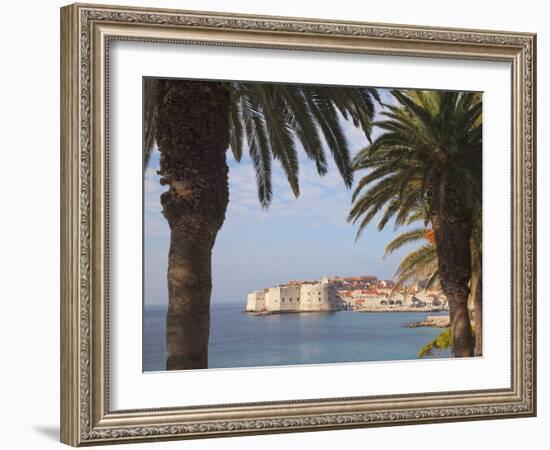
86 33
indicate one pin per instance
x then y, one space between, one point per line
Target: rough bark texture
478 315
193 137
452 236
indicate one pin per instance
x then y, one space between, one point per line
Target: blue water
238 339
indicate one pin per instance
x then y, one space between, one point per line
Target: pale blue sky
304 238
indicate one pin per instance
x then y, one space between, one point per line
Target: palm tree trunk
476 292
193 137
478 314
452 238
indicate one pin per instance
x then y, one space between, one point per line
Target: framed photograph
273 224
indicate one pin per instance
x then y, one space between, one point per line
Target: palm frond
403 239
258 147
150 94
279 134
236 128
282 116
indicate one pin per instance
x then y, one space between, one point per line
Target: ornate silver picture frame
87 415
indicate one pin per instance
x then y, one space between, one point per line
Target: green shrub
442 342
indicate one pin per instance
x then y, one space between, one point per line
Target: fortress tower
296 297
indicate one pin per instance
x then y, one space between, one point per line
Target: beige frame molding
86 31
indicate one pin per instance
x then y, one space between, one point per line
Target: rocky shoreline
398 309
432 321
273 313
428 322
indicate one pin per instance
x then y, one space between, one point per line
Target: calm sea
238 339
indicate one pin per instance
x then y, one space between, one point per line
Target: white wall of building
256 301
304 297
